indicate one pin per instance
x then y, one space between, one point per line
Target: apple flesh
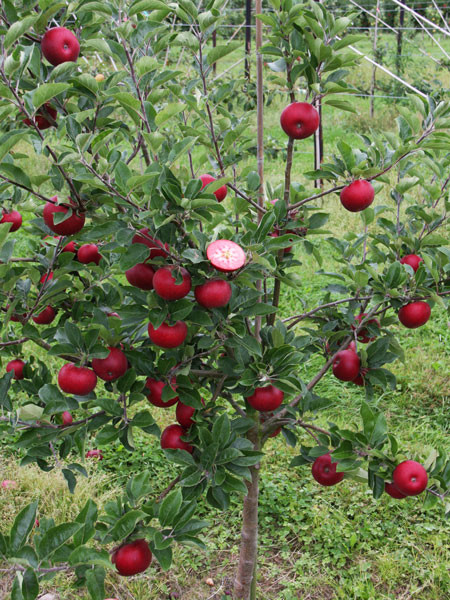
79 381
410 478
168 336
171 438
414 314
112 367
133 558
225 255
346 365
14 217
214 293
357 196
266 398
166 286
59 45
71 225
412 260
141 276
45 317
88 253
16 366
299 120
220 194
156 390
324 471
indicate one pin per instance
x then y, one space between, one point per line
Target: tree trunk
248 37
401 21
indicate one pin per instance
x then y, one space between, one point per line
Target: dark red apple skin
59 45
45 317
88 253
276 233
414 314
14 217
171 438
70 247
133 558
79 381
40 119
220 194
299 120
168 336
155 393
73 224
67 418
357 196
410 478
94 454
363 334
413 260
324 471
266 398
17 366
346 365
141 276
112 367
46 277
392 491
166 286
184 414
156 247
214 293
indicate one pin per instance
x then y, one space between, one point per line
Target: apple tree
145 258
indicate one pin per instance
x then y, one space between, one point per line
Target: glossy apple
67 418
410 478
184 414
88 253
412 260
156 247
166 286
220 194
70 247
112 367
46 277
71 225
214 293
392 491
363 334
133 558
266 398
156 390
168 336
358 195
324 471
14 217
59 45
414 314
45 317
346 365
79 381
171 438
299 120
141 276
41 118
17 366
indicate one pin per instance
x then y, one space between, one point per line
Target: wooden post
374 68
248 37
401 21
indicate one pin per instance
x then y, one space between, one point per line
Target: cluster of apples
409 478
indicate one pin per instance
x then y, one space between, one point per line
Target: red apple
112 367
59 45
166 286
324 471
156 390
414 314
266 398
133 558
360 378
140 276
410 478
225 255
17 366
276 233
72 225
88 253
390 489
358 195
412 260
214 293
168 336
41 117
363 334
156 247
94 454
67 418
8 484
79 381
220 194
346 365
45 317
171 438
14 217
46 277
70 247
184 414
299 120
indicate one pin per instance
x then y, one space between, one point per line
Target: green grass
315 543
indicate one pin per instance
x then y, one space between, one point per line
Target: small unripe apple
17 366
133 558
112 367
412 260
71 225
346 365
67 418
171 438
166 286
60 45
168 336
79 381
410 478
99 77
88 253
324 471
220 194
358 195
414 314
266 398
214 293
299 120
14 217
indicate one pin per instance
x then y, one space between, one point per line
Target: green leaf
18 29
164 557
146 5
221 430
168 112
341 104
30 585
95 582
47 91
88 556
87 517
220 51
169 508
56 537
71 479
139 486
126 524
22 527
